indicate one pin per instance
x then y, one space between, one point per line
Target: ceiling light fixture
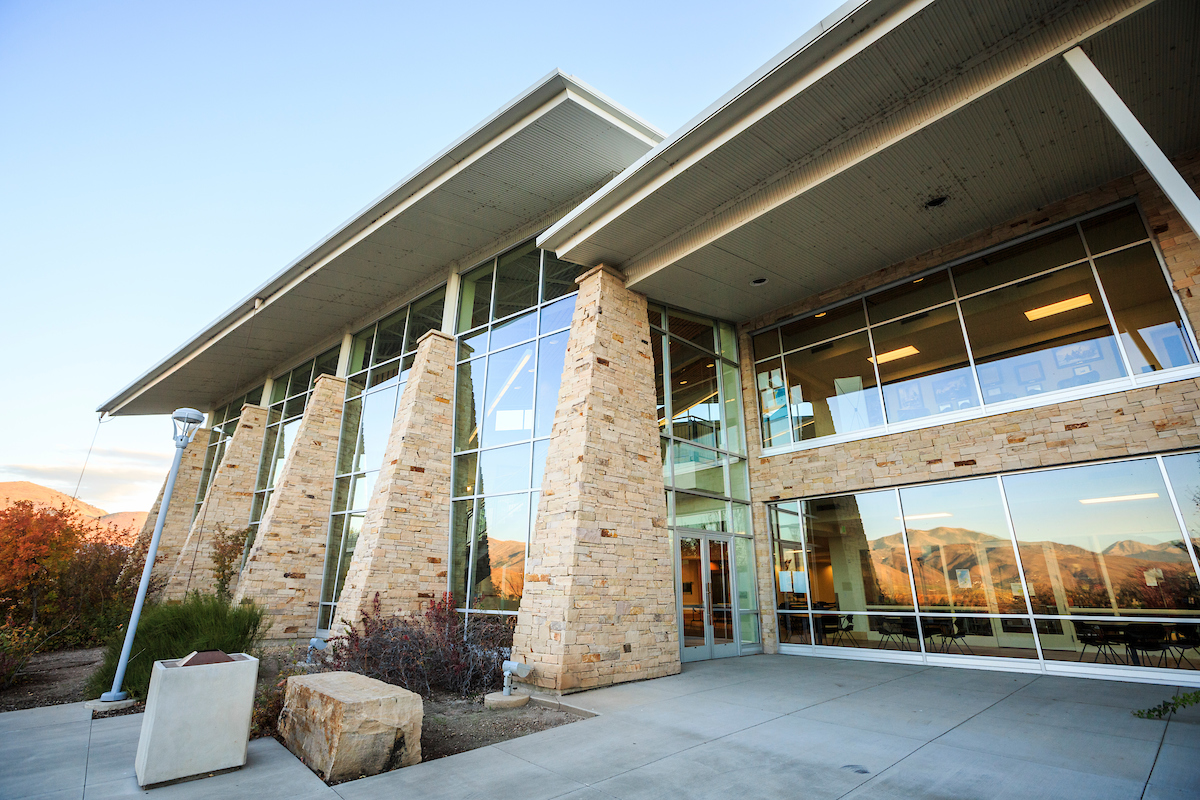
892 355
935 202
758 281
823 313
1119 498
1070 304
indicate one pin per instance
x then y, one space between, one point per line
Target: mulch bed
51 679
454 725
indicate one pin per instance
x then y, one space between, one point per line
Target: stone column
599 601
285 563
402 549
179 515
226 507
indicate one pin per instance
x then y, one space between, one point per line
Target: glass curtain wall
699 403
222 424
514 318
381 356
1093 563
289 395
1080 305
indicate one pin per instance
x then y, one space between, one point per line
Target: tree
36 544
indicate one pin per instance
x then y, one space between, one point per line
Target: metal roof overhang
816 170
508 178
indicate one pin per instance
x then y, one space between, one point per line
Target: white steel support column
1153 159
450 309
343 365
268 386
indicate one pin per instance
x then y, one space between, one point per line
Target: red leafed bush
427 652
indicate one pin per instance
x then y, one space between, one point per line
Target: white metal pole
182 437
1152 157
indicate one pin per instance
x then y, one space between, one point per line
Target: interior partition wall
513 323
1088 569
381 356
1082 309
703 446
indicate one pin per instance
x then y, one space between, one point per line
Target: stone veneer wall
1149 420
284 567
402 549
599 600
179 515
226 507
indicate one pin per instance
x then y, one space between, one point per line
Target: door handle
708 603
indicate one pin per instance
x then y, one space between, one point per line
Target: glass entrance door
704 585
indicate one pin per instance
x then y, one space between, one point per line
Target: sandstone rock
345 725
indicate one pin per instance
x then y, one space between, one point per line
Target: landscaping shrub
427 652
1168 707
64 576
172 630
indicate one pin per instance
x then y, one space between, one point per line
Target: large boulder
345 725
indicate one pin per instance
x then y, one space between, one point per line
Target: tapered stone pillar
285 563
226 507
179 515
401 550
599 600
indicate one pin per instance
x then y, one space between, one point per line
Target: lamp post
186 422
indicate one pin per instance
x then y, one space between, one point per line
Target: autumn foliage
63 574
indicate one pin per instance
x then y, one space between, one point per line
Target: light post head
186 421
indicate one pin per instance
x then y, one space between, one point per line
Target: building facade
890 353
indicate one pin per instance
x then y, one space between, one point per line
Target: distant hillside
45 497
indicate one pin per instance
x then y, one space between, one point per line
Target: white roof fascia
527 107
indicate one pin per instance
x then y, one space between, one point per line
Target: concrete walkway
763 726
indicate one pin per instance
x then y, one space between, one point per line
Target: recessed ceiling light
934 202
823 313
683 383
1070 304
758 281
892 355
918 280
1119 498
710 365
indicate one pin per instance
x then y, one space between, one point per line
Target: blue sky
160 160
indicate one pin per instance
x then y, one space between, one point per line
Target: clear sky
158 161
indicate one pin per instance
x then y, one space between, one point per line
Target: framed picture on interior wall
1072 355
954 392
1030 372
989 374
908 397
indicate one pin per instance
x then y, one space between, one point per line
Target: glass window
552 352
389 342
791 566
360 350
1144 308
518 329
772 403
378 412
766 344
499 553
731 418
922 362
508 416
517 275
694 511
1019 261
301 380
505 469
559 279
475 298
348 442
466 407
1043 334
1101 539
1114 229
695 402
962 554
856 558
425 316
914 295
697 330
462 527
699 469
832 388
823 325
557 315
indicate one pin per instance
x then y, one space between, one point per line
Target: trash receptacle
197 716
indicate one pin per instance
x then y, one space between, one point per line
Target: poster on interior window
785 581
800 582
964 578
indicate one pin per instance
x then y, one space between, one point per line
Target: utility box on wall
197 717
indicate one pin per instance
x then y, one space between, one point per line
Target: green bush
172 630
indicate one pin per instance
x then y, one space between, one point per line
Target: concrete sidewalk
762 726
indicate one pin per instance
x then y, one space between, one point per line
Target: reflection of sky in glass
506 518
1184 472
878 512
504 470
1046 506
970 505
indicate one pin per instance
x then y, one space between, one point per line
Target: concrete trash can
197 716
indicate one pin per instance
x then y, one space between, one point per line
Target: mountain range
44 497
